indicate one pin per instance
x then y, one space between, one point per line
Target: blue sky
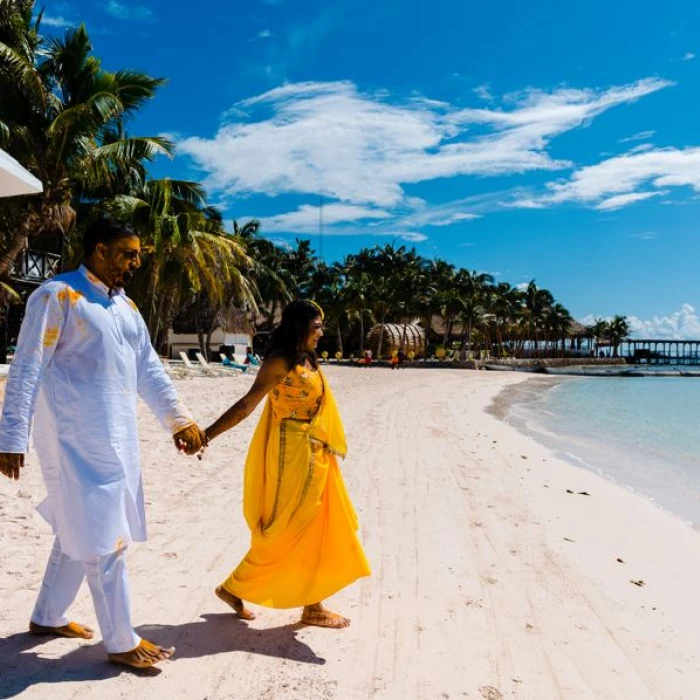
546 140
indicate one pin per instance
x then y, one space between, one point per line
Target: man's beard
127 277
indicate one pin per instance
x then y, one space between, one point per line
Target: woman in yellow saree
304 545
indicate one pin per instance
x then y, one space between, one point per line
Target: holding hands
190 440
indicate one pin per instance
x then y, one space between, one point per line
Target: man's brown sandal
72 629
145 655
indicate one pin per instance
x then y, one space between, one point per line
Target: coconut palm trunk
361 347
380 343
339 336
11 253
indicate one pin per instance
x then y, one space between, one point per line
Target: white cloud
680 325
641 148
361 148
483 92
622 200
57 21
625 179
139 13
683 324
306 218
645 235
264 34
640 136
689 56
455 218
525 203
410 236
281 243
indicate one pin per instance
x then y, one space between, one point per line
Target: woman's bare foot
316 614
146 654
235 602
72 629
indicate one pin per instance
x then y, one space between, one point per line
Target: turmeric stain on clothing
50 337
70 295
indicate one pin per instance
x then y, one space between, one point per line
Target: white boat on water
513 368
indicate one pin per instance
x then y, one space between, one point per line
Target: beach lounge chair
193 369
239 360
228 363
212 371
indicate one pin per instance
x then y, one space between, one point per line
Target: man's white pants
109 586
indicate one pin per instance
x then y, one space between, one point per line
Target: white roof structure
14 179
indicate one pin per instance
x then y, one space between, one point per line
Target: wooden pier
661 352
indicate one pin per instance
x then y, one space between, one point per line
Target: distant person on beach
83 357
366 359
250 358
304 545
398 360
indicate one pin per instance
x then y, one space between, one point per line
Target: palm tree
557 321
300 263
618 330
599 330
472 315
446 297
384 265
472 295
413 285
327 288
64 118
188 256
269 273
537 303
356 298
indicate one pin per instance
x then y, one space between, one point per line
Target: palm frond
24 74
134 148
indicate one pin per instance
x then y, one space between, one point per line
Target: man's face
120 259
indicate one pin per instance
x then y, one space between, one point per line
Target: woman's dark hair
287 340
105 230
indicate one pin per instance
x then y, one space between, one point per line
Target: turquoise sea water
643 433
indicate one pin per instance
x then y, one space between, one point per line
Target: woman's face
314 334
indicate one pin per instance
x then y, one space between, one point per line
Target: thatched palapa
392 335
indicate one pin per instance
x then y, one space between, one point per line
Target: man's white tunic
83 356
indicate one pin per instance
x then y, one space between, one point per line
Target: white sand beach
494 574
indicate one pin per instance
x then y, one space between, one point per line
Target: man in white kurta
83 356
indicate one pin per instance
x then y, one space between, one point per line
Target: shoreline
585 449
474 531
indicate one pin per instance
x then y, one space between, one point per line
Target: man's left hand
11 464
190 440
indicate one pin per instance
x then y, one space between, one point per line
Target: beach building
230 332
32 267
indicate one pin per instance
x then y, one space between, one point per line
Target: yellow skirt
304 547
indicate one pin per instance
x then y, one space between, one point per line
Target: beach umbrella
14 179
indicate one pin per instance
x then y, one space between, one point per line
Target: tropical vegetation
68 121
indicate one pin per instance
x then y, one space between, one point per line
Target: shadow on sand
20 667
